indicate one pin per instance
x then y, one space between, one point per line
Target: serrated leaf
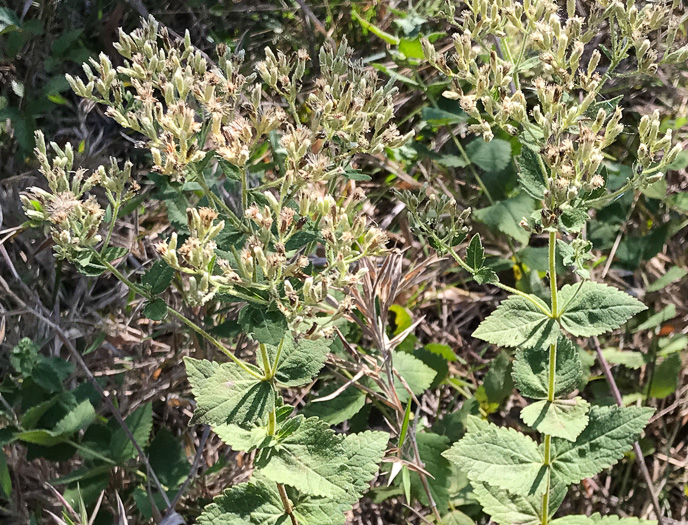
260 504
155 309
518 322
502 457
485 276
531 370
158 277
364 451
564 418
596 518
140 424
418 375
573 219
513 509
301 361
226 393
475 254
590 308
266 326
497 383
244 439
609 434
312 459
530 174
456 517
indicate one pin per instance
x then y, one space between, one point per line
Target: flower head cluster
529 69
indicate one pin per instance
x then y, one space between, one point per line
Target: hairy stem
552 369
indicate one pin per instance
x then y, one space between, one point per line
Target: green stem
188 322
552 371
266 362
244 188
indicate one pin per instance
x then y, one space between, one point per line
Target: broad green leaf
531 370
530 174
564 418
514 509
168 459
665 379
490 156
312 459
475 254
590 308
443 350
574 218
673 274
301 361
337 410
265 326
439 117
155 309
78 418
244 439
260 504
417 375
431 447
5 478
456 517
609 434
602 520
502 457
364 451
505 216
226 393
518 322
497 383
158 277
626 358
140 423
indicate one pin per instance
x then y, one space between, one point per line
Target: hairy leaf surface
531 370
564 418
518 322
597 518
609 434
591 308
226 393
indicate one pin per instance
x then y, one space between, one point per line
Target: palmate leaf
564 418
502 457
518 322
590 308
227 394
610 433
602 520
531 370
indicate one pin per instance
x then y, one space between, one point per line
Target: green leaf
417 375
155 309
497 383
364 451
312 459
301 361
502 457
335 411
241 438
158 277
609 434
168 459
94 268
533 179
531 370
573 219
353 174
597 519
515 509
657 319
260 504
140 424
518 322
431 447
665 378
673 274
492 157
226 393
475 254
265 326
626 358
456 517
442 350
411 48
591 308
5 478
78 418
564 418
439 117
505 216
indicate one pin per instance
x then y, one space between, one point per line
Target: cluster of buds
438 218
73 215
197 257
